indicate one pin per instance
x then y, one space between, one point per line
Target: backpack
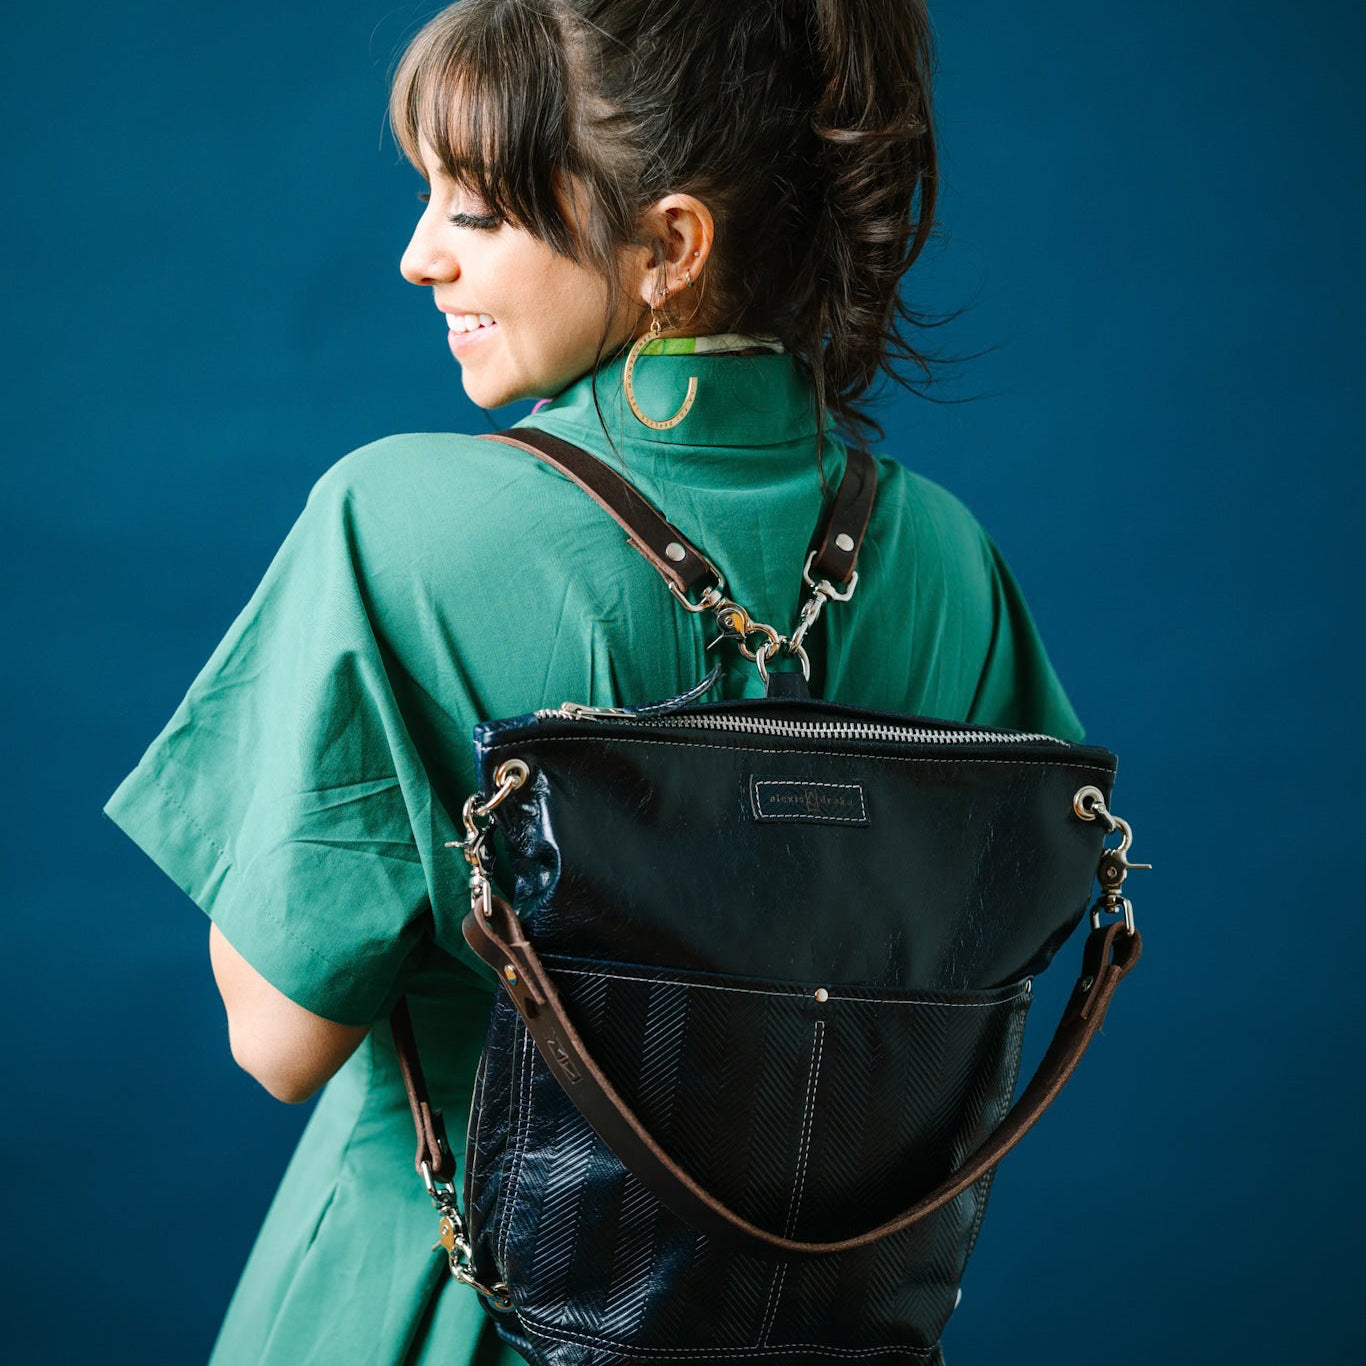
765 974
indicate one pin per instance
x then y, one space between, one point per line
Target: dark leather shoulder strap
841 533
837 539
1109 954
433 1151
671 553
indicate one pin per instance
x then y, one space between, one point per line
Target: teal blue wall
1151 211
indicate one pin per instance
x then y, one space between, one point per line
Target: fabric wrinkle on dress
303 791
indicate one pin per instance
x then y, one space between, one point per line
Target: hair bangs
482 85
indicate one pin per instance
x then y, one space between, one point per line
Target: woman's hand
288 1049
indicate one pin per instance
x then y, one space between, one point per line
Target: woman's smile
466 330
528 320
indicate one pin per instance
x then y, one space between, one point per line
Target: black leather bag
765 986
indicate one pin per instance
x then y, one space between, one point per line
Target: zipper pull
581 711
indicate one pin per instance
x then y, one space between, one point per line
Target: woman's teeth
467 322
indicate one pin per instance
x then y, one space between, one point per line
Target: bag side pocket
817 1114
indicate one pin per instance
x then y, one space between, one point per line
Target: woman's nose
426 261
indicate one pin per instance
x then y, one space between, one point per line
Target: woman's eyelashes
483 221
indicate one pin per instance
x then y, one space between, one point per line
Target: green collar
742 401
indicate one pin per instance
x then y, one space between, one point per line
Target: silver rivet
822 995
675 552
845 541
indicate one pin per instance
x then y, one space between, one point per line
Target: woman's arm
288 1049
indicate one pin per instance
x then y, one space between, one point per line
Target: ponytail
874 127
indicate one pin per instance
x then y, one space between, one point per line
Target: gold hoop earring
626 381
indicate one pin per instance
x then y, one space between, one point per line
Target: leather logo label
785 799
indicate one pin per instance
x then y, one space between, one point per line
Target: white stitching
631 1352
807 1117
518 1082
472 1130
529 1060
982 1188
788 782
519 1148
775 1293
757 783
824 753
557 971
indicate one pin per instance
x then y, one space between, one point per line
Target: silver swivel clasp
507 777
757 640
453 1240
1114 865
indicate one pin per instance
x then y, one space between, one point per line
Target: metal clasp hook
1114 865
453 1239
507 777
736 624
824 586
822 591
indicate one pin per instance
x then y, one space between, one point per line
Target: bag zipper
799 730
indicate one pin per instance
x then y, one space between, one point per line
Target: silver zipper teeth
804 730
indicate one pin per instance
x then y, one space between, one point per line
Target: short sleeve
1018 687
282 794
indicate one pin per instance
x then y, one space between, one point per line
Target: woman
752 179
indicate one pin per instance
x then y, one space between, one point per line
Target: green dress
303 791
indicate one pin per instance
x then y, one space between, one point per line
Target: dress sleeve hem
151 816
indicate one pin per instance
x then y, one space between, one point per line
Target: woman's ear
681 230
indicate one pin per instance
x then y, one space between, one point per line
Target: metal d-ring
507 777
709 601
498 1295
1089 805
430 1181
824 586
767 648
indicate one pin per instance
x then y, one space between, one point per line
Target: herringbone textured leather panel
814 1118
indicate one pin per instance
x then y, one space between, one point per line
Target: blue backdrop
1151 211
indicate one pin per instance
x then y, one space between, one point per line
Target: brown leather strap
432 1148
846 519
1109 954
671 553
841 537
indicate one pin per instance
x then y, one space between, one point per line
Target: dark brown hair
804 126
